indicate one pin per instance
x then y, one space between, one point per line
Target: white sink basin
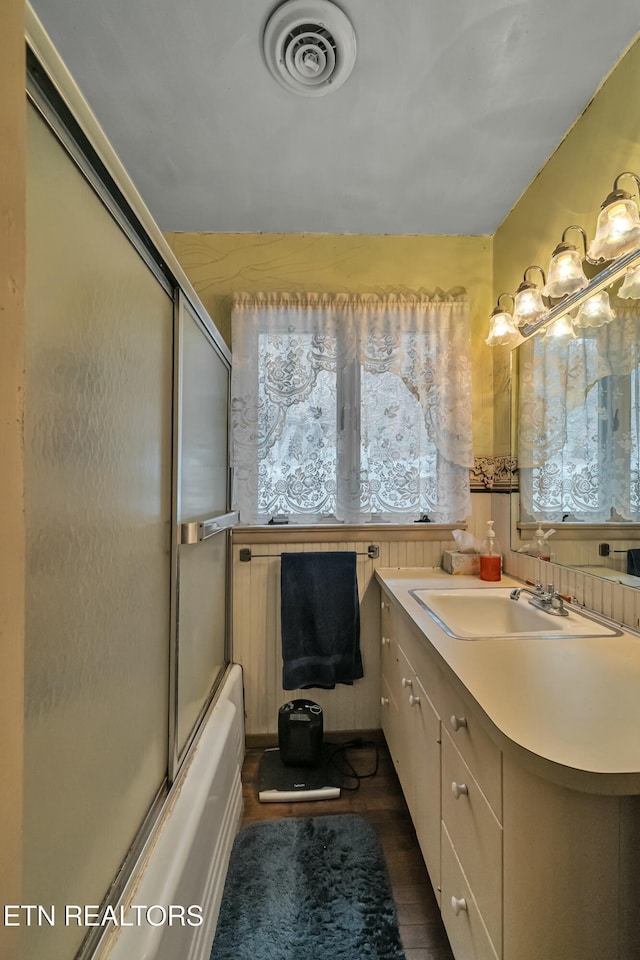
492 614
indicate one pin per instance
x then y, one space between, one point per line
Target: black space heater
296 769
300 732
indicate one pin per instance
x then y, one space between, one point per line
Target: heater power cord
335 755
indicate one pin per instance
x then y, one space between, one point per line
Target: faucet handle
557 604
550 589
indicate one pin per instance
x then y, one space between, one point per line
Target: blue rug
307 888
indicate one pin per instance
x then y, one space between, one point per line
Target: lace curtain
351 408
579 423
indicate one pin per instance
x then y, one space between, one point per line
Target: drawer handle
406 682
458 722
458 904
459 789
413 700
386 641
383 605
384 701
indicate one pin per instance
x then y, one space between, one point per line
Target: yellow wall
604 141
12 279
219 265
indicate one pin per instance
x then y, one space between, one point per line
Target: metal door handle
199 530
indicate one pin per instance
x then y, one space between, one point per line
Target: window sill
319 532
583 531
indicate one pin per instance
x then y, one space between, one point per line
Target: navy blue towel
320 620
633 562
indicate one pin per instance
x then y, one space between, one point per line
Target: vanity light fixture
502 329
608 275
595 312
528 303
567 288
618 227
566 274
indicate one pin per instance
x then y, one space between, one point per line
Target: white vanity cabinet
412 729
525 868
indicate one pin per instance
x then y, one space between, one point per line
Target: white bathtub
189 853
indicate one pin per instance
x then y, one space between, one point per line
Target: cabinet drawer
476 836
467 933
480 753
416 649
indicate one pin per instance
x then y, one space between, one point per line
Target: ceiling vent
309 46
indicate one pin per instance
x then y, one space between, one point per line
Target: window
351 409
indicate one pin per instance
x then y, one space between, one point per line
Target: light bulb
502 330
528 305
620 220
618 229
566 275
560 331
595 311
630 289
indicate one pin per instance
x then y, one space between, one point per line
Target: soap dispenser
490 557
542 550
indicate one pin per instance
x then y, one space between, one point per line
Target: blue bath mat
307 888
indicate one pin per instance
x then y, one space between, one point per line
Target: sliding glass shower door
203 520
97 431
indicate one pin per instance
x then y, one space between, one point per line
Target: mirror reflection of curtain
351 407
579 423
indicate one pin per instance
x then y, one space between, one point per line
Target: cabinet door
416 648
466 931
389 643
426 760
392 725
404 692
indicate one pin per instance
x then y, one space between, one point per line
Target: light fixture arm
511 297
534 266
576 226
627 173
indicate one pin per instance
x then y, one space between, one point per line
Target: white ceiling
452 108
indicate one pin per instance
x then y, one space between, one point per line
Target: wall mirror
576 437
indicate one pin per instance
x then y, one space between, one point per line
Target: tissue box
462 564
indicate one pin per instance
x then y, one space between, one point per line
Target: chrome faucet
547 600
536 592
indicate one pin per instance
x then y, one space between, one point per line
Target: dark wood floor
379 799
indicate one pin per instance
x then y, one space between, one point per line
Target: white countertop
569 707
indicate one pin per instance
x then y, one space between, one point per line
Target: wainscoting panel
256 626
